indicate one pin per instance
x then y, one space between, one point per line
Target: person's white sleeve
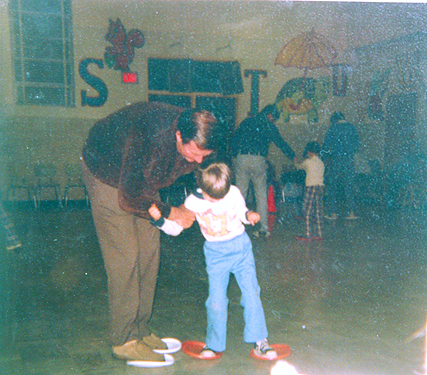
170 227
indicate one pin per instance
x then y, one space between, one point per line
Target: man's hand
182 216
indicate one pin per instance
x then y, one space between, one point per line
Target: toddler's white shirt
219 221
314 169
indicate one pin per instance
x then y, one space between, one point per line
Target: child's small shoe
331 216
317 238
303 238
262 349
207 353
351 216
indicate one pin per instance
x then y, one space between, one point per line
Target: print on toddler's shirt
213 225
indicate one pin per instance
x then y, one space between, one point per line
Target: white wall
252 32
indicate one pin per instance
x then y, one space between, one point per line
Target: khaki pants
253 168
130 247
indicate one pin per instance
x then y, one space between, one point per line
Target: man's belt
251 153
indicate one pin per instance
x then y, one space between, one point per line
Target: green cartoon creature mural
300 96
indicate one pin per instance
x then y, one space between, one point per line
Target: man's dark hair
337 116
271 109
201 127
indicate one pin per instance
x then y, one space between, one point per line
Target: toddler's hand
253 217
154 212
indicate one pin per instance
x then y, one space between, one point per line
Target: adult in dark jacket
249 146
338 150
127 158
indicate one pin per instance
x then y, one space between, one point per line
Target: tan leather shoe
154 342
136 351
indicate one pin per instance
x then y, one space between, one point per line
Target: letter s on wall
98 84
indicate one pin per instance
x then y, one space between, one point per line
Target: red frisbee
282 351
194 348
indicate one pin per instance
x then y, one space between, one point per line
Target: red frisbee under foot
282 351
194 348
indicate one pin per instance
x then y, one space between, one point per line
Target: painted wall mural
307 51
339 79
118 56
255 76
122 52
300 96
303 96
97 83
378 88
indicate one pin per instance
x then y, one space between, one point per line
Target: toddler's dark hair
313 147
336 116
271 109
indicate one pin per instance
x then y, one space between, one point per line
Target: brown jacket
134 150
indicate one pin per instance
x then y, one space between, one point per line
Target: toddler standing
221 213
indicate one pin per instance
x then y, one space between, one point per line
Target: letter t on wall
255 89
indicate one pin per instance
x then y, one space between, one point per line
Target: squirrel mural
122 53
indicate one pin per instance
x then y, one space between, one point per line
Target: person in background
10 247
12 240
249 145
409 170
127 158
313 196
221 212
339 147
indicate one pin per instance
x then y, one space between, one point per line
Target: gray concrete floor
347 305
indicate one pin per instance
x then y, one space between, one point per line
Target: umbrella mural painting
300 96
307 51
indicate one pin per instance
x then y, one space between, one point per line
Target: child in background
313 197
221 212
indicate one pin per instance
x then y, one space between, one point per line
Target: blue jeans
222 258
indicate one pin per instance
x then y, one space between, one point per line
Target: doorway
399 127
